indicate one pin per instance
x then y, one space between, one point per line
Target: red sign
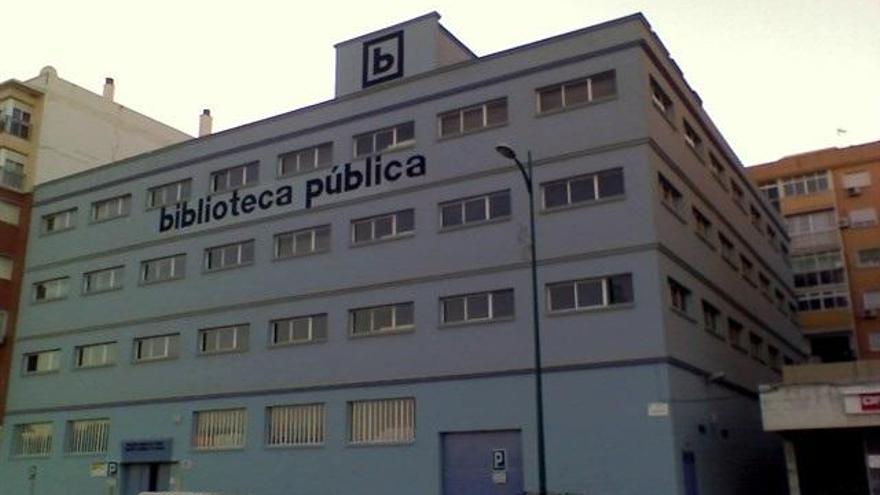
870 402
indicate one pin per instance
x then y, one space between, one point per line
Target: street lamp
528 175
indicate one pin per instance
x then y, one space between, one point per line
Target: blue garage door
473 462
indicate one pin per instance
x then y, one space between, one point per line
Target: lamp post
528 175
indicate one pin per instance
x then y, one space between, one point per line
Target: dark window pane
404 314
363 145
550 99
499 205
604 85
406 132
383 227
453 310
384 139
475 210
325 154
451 215
589 293
582 189
496 112
319 327
450 124
472 119
405 221
382 317
363 231
502 303
611 183
620 289
361 321
561 297
576 92
555 194
322 238
477 306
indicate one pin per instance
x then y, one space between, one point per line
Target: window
4 322
583 188
56 222
871 299
473 118
755 215
223 339
739 196
236 177
291 426
819 301
735 333
32 440
813 229
161 269
94 355
771 236
660 100
6 268
9 213
219 429
169 194
856 180
51 290
812 270
155 348
475 209
229 255
380 227
803 185
869 257
109 209
12 170
865 217
42 361
299 330
711 318
771 191
780 299
304 241
382 421
716 167
702 225
691 138
728 252
88 436
481 306
874 341
18 122
306 159
748 269
590 293
756 347
382 319
764 284
387 139
679 295
774 358
577 92
670 195
103 280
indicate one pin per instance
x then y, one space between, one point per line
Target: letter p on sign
383 59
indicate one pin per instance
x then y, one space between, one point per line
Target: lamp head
506 151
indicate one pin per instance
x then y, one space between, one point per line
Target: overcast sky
778 77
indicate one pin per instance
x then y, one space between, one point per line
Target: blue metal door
482 463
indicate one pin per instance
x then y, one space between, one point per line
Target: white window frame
396 141
487 200
287 326
50 358
372 311
169 344
106 351
373 221
210 339
605 282
220 179
179 191
219 429
69 221
294 238
563 88
823 297
176 272
111 208
114 277
801 185
670 195
382 421
38 446
465 300
679 296
459 114
594 177
53 290
216 257
88 436
296 425
870 262
303 163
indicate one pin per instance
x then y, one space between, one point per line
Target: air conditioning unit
853 191
870 313
843 222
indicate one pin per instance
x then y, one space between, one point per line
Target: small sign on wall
658 409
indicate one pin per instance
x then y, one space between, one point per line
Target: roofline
433 14
457 41
22 86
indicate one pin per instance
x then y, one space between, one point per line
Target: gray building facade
337 299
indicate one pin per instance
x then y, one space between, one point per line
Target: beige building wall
80 129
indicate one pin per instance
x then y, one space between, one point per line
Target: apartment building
50 128
830 206
338 299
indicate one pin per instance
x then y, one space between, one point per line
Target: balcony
12 179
